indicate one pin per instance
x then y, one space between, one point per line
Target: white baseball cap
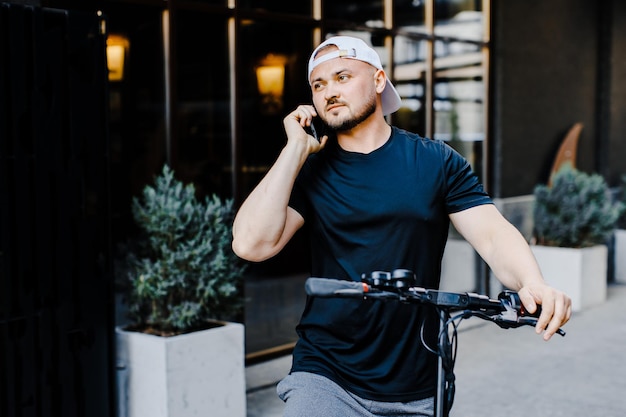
355 48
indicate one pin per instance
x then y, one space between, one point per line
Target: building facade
203 85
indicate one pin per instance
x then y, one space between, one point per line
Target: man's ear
381 80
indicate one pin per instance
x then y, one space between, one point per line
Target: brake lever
504 321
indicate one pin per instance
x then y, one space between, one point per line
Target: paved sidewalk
513 372
261 380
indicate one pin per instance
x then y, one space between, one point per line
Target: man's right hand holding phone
305 125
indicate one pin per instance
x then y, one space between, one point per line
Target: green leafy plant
184 273
576 210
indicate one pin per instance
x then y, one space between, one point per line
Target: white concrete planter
196 374
580 273
620 256
458 267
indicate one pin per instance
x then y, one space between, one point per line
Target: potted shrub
573 219
620 239
183 353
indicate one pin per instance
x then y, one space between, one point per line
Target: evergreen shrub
184 273
576 211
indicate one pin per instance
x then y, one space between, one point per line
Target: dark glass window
302 7
225 140
368 13
454 9
211 2
459 88
137 108
409 78
282 46
202 150
409 15
459 19
457 61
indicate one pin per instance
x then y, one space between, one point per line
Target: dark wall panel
617 112
545 77
55 292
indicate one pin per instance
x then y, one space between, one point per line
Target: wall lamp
270 75
117 48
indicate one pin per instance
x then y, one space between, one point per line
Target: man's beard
348 124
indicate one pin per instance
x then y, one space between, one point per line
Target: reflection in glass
211 2
409 15
265 44
458 91
203 134
301 7
261 131
459 117
359 12
459 10
459 97
409 77
136 109
466 25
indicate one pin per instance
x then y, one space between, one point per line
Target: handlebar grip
326 287
513 298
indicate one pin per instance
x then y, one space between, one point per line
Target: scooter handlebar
326 287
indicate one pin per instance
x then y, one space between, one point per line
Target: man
375 197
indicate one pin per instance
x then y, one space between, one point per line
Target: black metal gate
56 309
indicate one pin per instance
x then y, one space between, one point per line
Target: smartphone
317 129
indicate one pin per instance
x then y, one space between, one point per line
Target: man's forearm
513 262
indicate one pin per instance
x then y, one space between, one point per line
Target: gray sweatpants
309 395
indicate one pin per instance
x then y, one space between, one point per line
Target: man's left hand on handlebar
556 307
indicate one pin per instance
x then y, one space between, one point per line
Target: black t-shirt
370 212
